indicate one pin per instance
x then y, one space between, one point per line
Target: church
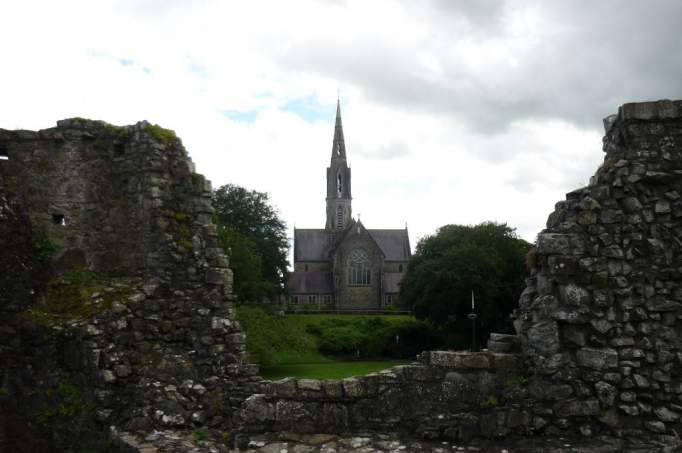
345 266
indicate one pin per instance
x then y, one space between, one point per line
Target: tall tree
254 237
447 266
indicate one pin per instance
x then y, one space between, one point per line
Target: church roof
310 282
315 244
394 243
311 245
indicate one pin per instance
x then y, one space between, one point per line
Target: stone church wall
358 297
601 318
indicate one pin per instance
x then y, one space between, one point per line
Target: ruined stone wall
155 335
449 395
601 316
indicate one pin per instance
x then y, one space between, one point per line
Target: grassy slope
283 347
274 340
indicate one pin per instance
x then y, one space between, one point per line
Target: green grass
272 340
327 370
320 318
285 347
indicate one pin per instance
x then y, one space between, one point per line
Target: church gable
350 266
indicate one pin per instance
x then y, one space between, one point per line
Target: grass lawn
316 319
325 370
284 348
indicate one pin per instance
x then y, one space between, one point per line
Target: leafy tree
254 237
486 258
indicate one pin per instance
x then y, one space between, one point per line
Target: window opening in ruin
400 267
3 153
59 219
119 149
358 268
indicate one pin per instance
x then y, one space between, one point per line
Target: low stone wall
452 395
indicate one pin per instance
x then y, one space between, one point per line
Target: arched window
339 216
359 272
338 184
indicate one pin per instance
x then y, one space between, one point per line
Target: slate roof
310 282
315 244
311 245
394 243
392 282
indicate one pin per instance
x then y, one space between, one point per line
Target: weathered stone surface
597 358
606 392
620 307
544 337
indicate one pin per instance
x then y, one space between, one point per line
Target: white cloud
454 112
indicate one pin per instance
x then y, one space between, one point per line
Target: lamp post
472 316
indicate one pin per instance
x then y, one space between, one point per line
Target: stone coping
470 360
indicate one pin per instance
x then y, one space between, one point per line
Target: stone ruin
153 343
601 317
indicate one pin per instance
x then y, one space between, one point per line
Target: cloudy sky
454 111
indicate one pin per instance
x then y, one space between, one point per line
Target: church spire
339 145
338 181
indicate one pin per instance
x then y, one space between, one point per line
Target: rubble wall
447 395
601 316
120 211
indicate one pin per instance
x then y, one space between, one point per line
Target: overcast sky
454 111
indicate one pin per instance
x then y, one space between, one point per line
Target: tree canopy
254 237
487 258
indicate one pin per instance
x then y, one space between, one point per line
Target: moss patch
44 249
66 414
162 135
75 295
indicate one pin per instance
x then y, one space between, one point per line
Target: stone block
352 388
475 360
573 294
333 388
597 358
665 414
606 393
309 384
554 243
284 388
572 408
639 111
544 337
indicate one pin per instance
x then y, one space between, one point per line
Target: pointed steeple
339 145
338 180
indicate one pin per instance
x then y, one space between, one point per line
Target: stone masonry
601 317
447 395
158 345
153 344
